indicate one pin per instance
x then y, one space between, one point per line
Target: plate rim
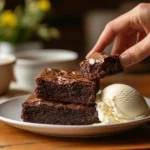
29 124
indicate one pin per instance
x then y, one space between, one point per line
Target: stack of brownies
68 98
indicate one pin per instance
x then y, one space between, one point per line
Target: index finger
111 30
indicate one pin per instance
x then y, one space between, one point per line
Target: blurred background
79 22
58 24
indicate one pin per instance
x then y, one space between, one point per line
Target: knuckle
143 10
140 51
143 13
109 25
142 6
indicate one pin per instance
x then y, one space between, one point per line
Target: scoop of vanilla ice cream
120 103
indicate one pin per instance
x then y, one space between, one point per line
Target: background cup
6 71
31 63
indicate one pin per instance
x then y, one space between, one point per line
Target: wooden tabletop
139 138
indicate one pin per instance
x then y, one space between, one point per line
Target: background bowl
6 71
31 63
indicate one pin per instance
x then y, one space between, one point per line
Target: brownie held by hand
62 86
100 65
40 111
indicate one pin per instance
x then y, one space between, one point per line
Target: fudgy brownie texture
100 65
40 111
62 86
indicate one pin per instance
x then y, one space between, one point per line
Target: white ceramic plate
10 112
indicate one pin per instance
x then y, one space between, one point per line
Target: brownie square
62 86
40 111
100 65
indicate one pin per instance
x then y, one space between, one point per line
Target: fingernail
125 60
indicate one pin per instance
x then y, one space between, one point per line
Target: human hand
132 35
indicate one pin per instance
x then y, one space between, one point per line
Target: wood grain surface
139 138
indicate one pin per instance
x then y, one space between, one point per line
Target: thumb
136 53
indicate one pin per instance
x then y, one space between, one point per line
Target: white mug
6 71
31 62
